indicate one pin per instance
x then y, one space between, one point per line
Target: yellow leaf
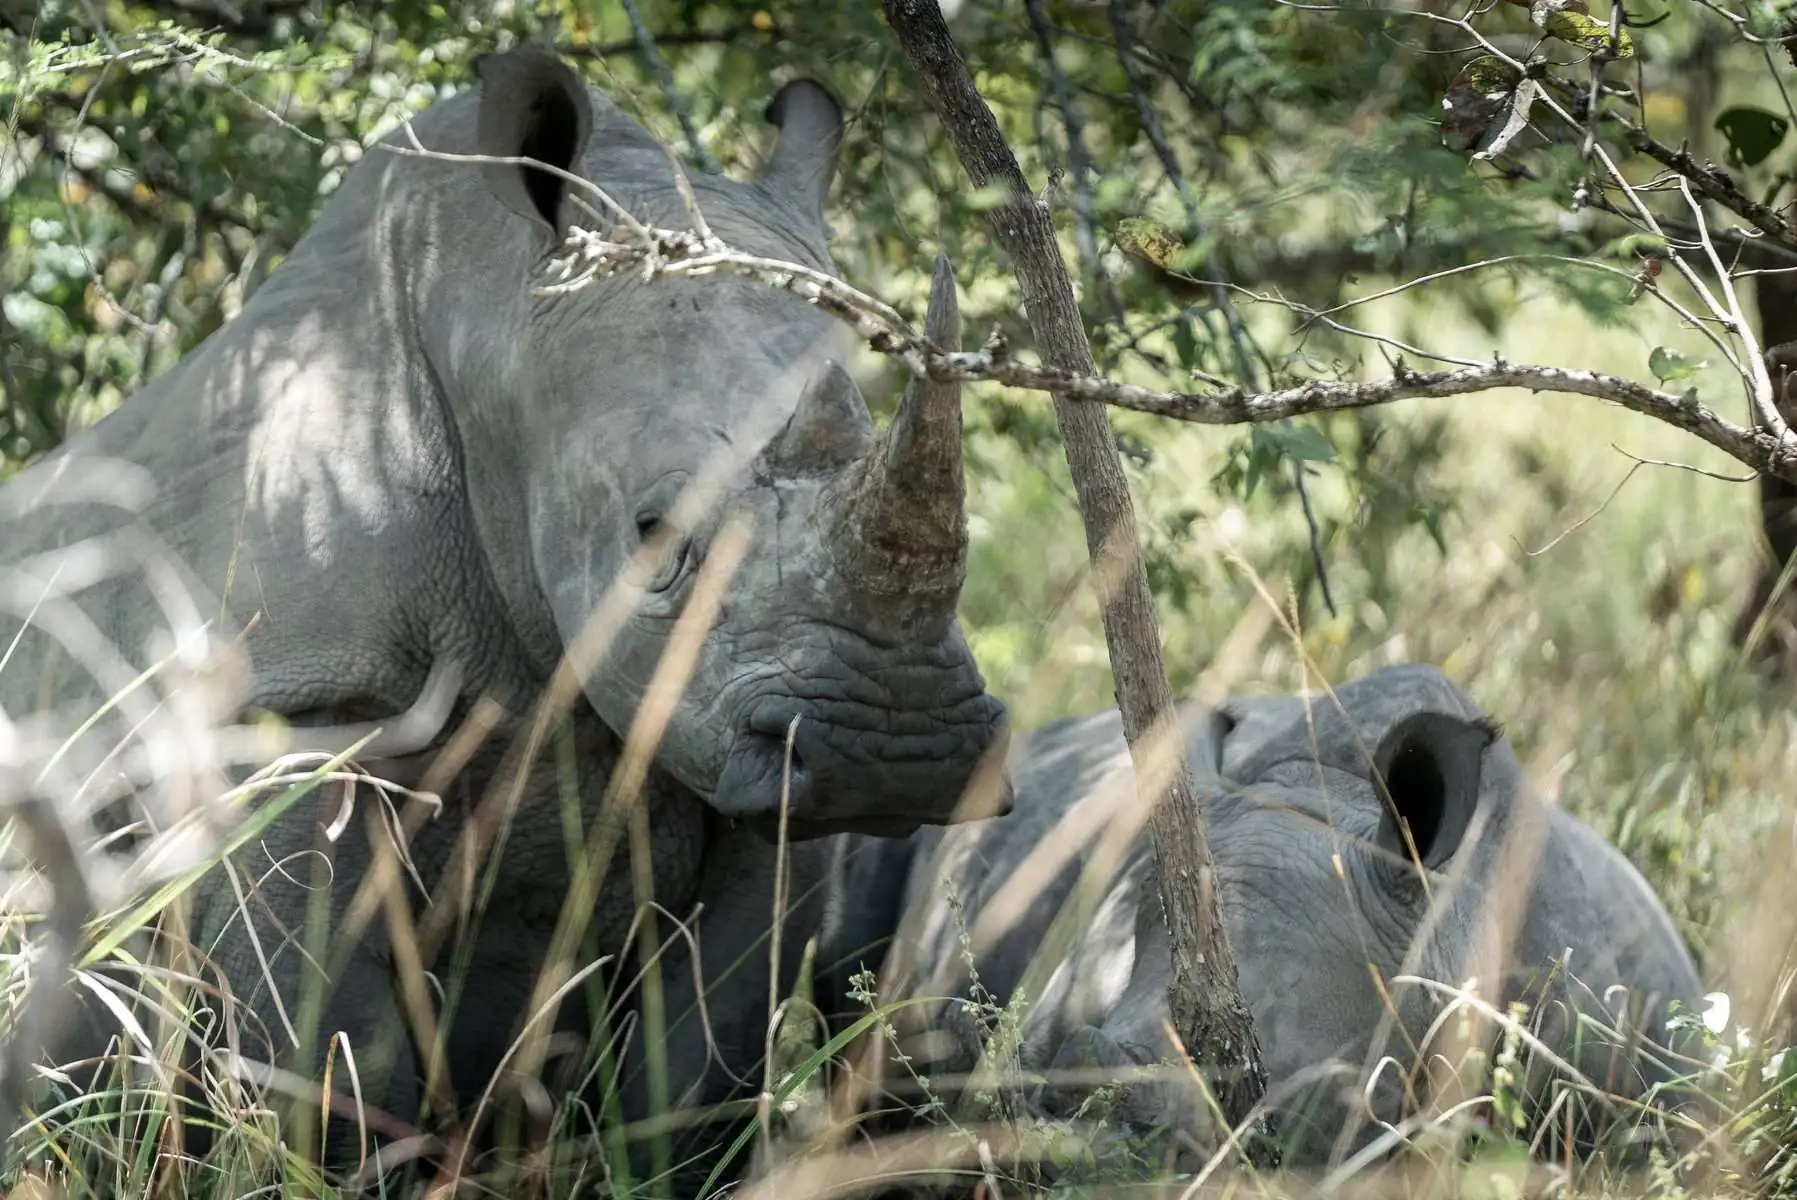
1691 589
1150 241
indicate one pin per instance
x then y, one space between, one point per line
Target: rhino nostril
785 767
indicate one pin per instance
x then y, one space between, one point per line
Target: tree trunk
1206 999
1776 299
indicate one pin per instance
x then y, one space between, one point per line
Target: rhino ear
532 105
804 160
1429 769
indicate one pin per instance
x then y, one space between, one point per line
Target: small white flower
1715 1017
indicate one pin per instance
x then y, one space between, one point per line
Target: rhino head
842 614
1390 832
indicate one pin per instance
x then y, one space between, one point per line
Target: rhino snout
848 774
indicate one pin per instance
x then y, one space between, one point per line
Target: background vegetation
157 159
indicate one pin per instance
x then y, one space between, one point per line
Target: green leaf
1431 522
1639 245
1268 444
1752 133
1185 345
1307 444
1786 1070
1263 456
1582 29
1669 365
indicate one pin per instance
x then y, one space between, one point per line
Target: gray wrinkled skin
1286 797
398 457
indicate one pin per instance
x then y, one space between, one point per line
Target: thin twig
670 91
1636 464
1761 391
1079 161
1710 183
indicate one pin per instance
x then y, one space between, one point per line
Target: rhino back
1592 911
303 470
956 872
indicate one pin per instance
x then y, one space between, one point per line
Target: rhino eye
649 527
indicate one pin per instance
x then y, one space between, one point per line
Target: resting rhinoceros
401 456
1326 901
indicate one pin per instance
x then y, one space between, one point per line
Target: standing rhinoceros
402 455
1327 901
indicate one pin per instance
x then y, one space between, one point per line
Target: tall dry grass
1605 650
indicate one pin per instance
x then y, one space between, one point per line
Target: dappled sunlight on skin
643 594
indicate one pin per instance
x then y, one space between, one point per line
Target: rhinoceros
404 461
1336 889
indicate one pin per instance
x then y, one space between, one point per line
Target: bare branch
675 253
1738 324
645 46
1204 993
1079 160
1711 184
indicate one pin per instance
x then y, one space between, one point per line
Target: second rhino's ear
532 105
1429 767
804 161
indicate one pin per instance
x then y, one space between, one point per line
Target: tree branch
1079 161
670 92
1712 184
1204 993
722 37
666 253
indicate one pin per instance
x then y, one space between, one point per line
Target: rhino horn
908 516
829 431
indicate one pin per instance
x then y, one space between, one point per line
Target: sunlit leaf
1574 25
1150 241
1515 119
1668 365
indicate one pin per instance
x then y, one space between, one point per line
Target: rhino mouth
842 778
